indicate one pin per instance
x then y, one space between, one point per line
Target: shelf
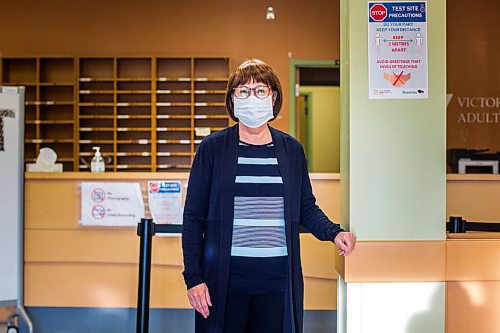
134 92
49 122
207 92
26 84
173 129
133 129
144 111
137 142
173 92
172 116
96 92
56 84
209 104
173 166
211 79
162 154
49 103
144 154
105 154
133 166
133 104
132 116
96 79
96 117
49 141
173 79
213 116
59 159
180 142
89 142
120 116
172 104
96 104
134 79
96 129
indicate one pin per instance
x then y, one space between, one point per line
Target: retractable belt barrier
146 229
458 225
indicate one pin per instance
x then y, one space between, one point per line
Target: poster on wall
397 50
111 204
165 201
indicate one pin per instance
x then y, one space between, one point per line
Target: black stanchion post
146 230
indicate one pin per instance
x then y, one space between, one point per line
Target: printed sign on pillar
397 50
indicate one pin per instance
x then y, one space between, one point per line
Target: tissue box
33 167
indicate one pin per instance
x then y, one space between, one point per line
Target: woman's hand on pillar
346 241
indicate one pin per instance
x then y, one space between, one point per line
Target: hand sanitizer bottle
97 164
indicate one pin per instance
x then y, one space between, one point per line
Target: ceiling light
270 13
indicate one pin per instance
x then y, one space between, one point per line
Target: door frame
293 65
308 147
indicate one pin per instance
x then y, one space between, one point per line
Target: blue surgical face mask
253 112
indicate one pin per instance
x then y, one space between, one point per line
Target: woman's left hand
346 241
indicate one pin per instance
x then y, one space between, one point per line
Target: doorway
315 112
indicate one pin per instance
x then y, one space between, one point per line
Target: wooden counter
97 267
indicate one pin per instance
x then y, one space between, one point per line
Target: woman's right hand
199 298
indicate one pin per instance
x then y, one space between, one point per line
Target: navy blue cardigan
208 221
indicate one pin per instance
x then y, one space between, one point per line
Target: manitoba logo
4 113
397 80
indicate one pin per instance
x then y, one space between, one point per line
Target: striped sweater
259 223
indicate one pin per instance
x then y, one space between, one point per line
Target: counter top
474 235
473 176
139 175
185 175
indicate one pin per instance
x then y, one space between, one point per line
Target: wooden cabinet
146 113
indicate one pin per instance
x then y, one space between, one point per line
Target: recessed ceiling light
270 13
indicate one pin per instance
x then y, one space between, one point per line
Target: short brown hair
258 71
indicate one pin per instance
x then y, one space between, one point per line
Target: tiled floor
98 320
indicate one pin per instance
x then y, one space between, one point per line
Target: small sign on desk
111 204
165 201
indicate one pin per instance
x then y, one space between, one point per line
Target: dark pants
254 313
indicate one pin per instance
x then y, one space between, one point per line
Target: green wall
324 128
393 151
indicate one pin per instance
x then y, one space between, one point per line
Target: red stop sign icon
378 12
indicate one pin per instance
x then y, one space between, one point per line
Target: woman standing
249 190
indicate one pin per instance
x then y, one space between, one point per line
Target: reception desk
97 266
69 265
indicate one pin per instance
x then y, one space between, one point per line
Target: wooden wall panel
100 285
473 306
320 294
474 197
176 28
98 246
472 71
473 260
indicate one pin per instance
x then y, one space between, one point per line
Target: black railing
458 225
